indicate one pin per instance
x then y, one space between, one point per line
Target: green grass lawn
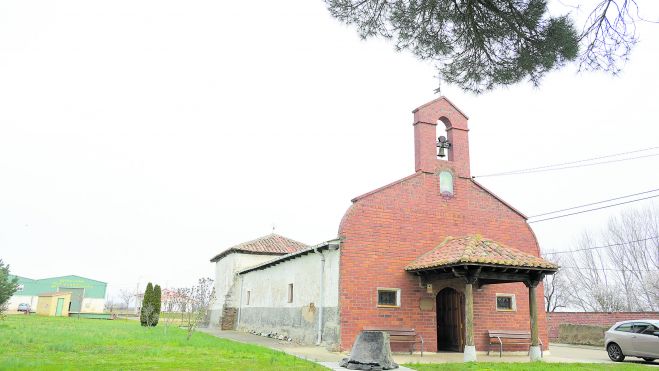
57 343
533 366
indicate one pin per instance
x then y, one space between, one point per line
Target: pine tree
157 294
147 306
477 45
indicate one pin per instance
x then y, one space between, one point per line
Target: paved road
558 352
586 354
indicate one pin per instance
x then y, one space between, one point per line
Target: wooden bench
400 335
498 337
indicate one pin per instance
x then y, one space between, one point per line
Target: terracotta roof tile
272 244
475 249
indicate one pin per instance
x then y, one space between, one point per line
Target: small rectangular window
290 292
388 298
248 297
506 302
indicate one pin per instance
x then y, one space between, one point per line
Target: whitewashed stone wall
225 280
269 311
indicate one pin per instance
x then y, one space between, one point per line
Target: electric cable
593 203
561 166
599 247
594 209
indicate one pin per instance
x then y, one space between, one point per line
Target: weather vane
439 84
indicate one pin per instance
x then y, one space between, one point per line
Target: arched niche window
446 183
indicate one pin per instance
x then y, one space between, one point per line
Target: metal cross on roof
439 84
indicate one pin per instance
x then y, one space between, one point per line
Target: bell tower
426 143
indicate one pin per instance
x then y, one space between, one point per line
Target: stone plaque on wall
427 303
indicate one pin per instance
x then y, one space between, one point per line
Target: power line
594 203
594 209
561 166
519 172
611 269
600 247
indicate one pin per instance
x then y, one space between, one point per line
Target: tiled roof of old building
272 244
477 250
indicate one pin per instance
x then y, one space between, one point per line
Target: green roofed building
87 295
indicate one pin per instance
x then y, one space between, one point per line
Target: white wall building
294 295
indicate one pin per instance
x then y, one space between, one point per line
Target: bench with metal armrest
499 337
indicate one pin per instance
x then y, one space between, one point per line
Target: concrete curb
591 347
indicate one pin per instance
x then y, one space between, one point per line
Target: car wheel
615 353
648 359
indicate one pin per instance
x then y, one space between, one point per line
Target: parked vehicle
638 338
24 307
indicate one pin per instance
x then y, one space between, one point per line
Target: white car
638 338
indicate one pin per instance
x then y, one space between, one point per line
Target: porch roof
474 250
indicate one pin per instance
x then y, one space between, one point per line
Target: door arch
450 320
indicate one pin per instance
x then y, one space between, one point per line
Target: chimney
426 118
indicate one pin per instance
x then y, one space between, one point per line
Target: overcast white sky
140 138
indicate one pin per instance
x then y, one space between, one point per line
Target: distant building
87 295
54 304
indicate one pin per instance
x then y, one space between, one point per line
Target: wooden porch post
535 353
470 349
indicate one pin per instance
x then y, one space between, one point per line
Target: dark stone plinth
371 351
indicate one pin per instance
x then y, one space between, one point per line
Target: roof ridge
272 243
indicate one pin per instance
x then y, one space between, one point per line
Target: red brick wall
555 319
385 230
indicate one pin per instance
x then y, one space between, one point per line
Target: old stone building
434 251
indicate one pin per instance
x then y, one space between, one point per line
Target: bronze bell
442 144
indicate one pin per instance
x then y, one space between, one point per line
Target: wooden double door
450 307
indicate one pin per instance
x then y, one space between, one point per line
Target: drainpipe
240 301
322 297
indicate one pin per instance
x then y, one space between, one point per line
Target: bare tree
109 305
591 288
634 251
609 35
557 289
620 271
174 300
148 311
126 297
198 300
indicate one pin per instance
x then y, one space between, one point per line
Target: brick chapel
434 251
